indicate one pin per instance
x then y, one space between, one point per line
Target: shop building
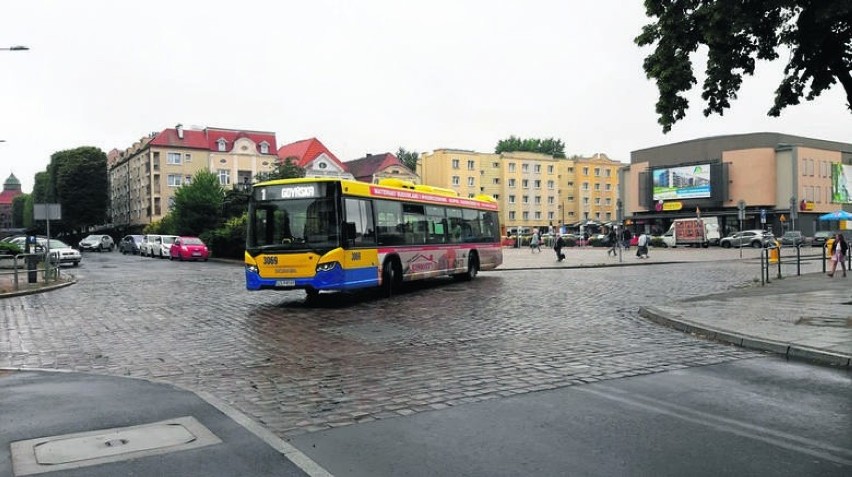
782 182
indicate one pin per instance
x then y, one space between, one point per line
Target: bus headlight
325 267
251 268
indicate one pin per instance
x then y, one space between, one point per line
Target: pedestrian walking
557 247
612 240
535 243
626 237
642 246
839 249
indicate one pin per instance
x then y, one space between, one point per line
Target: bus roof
395 189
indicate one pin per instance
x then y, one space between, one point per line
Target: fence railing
35 268
772 259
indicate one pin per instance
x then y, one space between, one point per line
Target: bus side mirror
349 230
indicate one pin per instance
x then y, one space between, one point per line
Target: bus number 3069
273 260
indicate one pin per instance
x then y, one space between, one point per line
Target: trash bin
774 252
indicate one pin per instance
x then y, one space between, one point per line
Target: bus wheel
312 293
472 268
391 277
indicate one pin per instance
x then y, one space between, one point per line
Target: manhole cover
829 321
46 454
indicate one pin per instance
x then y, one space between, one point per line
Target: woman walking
838 254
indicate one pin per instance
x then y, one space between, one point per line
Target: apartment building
145 176
534 190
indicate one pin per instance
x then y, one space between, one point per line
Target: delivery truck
693 232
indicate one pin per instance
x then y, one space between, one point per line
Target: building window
221 143
173 158
511 199
495 165
537 184
585 201
537 200
526 199
819 194
511 182
608 172
597 201
570 170
470 181
537 168
224 177
511 215
570 184
187 180
525 167
495 181
570 198
550 185
597 171
585 186
187 157
550 169
264 147
455 163
174 180
526 215
456 180
608 187
471 165
597 186
608 201
538 215
550 200
496 196
525 183
585 171
511 167
550 216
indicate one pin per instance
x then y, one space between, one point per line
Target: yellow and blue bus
319 234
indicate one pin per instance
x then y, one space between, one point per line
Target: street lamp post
16 48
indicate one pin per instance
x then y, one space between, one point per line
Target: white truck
694 232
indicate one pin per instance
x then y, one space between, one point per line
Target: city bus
330 234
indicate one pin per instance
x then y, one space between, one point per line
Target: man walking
642 246
557 247
612 240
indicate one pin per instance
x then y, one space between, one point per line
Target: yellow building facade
534 190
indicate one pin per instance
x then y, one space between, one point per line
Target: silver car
748 238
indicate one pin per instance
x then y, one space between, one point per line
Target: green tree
41 186
198 205
79 180
551 146
283 170
408 158
19 204
738 32
28 211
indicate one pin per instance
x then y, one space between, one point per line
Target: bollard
799 260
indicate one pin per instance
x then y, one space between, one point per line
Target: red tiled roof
305 151
209 137
364 168
7 195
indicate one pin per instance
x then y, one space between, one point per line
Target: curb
43 289
789 351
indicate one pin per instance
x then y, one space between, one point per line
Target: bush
7 248
657 242
228 241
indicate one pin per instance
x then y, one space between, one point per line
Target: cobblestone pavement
299 368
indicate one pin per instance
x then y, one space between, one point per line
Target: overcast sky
362 76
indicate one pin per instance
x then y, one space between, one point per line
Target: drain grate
47 454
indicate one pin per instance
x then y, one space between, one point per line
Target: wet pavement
296 368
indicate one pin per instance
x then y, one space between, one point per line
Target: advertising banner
841 175
688 182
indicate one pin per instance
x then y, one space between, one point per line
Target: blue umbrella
836 215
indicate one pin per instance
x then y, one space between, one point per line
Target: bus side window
360 213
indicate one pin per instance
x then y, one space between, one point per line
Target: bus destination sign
285 192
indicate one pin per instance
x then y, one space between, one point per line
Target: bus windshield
294 224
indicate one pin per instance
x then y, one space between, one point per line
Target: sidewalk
806 317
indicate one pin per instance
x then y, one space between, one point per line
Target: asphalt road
440 351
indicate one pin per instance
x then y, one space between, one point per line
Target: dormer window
264 147
221 143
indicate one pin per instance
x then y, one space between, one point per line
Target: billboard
841 183
686 182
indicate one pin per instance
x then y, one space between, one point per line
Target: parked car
792 238
188 248
97 242
64 254
820 238
130 244
162 244
748 238
146 249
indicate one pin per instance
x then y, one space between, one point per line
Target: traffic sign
762 216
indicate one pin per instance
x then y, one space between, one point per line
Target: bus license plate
285 283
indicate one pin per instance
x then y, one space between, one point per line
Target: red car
189 248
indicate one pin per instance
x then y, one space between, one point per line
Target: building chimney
179 129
